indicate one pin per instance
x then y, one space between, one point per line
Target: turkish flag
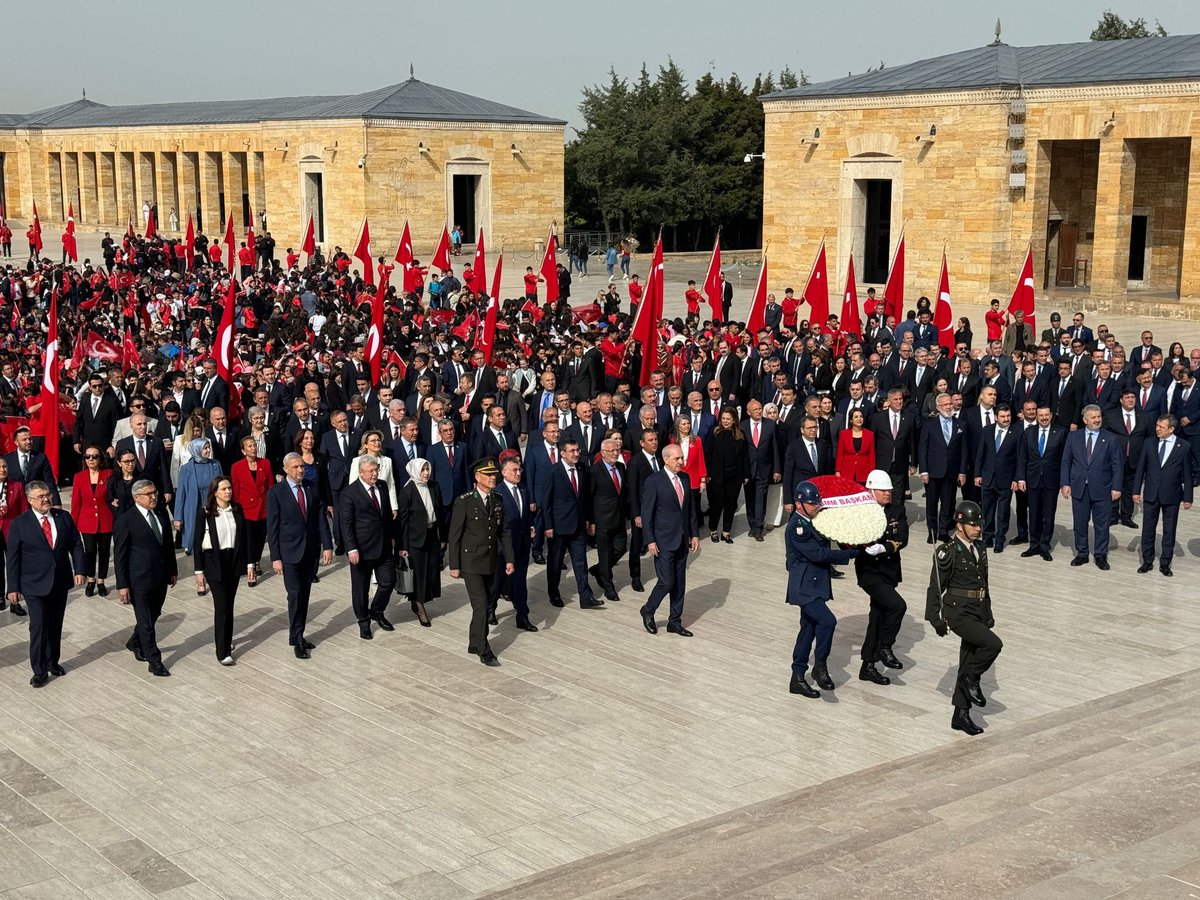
99 348
757 319
441 256
151 229
189 242
394 357
129 232
229 244
850 319
485 340
478 283
943 316
363 253
816 291
309 244
713 289
645 325
404 250
375 334
1023 298
77 355
549 270
68 238
49 411
463 331
893 291
37 230
250 233
129 353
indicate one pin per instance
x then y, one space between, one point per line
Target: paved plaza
599 760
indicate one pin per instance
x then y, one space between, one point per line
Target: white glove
876 549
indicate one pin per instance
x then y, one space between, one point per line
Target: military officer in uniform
958 600
809 560
477 531
878 571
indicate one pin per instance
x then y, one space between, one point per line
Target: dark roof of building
1172 58
410 99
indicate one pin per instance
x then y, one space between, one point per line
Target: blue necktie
1091 444
1042 443
946 429
999 438
1162 453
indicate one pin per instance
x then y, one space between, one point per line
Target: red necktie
755 429
46 530
375 499
450 455
616 480
716 407
301 501
553 456
1099 387
574 483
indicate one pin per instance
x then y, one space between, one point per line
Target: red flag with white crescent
129 353
68 238
362 253
224 345
850 319
404 250
49 411
189 243
757 320
250 233
99 348
943 316
37 230
485 340
713 288
229 243
309 244
151 228
816 291
441 256
1023 298
478 270
549 269
893 291
645 326
374 346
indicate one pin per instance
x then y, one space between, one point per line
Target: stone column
1189 271
1037 188
254 184
234 165
70 172
57 211
89 200
126 193
1114 208
210 189
189 195
168 196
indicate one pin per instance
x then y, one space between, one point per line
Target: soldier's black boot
800 686
821 677
888 658
975 692
961 721
868 672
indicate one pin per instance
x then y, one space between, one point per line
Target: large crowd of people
456 462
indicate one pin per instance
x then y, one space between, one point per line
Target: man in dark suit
495 437
995 475
671 532
226 440
365 521
942 462
577 375
27 465
45 555
1131 428
1030 387
728 372
1080 332
96 418
541 455
643 463
153 461
518 515
895 443
765 459
340 446
807 457
1186 409
974 421
610 513
144 559
1103 390
485 374
214 391
567 517
448 465
1151 399
1066 397
1162 482
354 368
1091 476
296 530
1038 465
478 535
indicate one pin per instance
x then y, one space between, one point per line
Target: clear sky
533 55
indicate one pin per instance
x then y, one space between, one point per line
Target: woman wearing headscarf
420 536
195 476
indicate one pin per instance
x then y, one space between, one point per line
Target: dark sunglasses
91 456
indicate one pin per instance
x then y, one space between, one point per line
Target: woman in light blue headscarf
195 476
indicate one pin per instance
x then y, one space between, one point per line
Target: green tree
1112 27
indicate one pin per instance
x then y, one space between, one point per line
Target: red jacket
855 466
14 504
90 509
694 465
250 488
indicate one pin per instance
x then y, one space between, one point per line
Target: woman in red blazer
93 517
856 449
12 504
252 478
693 457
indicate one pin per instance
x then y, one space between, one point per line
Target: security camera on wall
362 161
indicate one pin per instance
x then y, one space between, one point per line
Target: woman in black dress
219 551
420 536
728 469
120 483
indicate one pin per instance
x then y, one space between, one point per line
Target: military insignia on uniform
942 554
800 530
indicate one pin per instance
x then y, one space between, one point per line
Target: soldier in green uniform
477 530
958 601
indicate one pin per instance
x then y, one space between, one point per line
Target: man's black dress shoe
999 548
159 669
56 670
1102 563
316 579
591 604
1079 561
309 645
1032 551
888 658
868 672
489 659
382 622
800 686
102 589
975 692
834 573
648 622
492 620
1129 523
1166 570
539 558
961 721
301 651
18 610
364 632
594 571
1018 540
821 676
679 630
136 651
557 601
929 540
40 680
1144 568
1046 556
90 590
526 625
637 586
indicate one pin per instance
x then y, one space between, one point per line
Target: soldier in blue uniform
958 601
809 559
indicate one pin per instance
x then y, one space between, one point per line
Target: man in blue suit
296 530
1091 476
1186 409
995 475
942 462
448 467
541 456
567 517
810 559
1039 462
340 446
1162 482
702 420
45 555
519 516
670 532
1151 398
762 446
